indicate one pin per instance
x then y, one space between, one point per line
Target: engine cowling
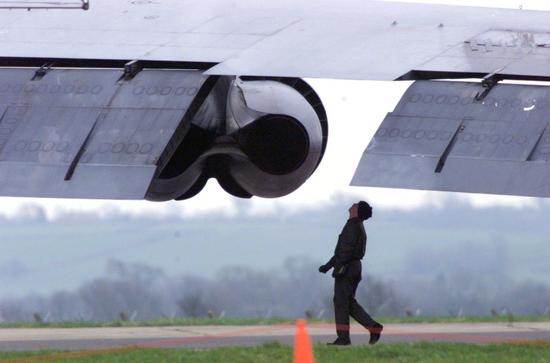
257 137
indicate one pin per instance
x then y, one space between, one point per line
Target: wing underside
440 137
88 133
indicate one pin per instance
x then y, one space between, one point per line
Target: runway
219 336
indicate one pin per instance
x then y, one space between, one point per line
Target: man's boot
375 332
343 338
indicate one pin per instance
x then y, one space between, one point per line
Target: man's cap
364 210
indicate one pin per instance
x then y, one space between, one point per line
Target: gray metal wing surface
348 39
85 133
440 138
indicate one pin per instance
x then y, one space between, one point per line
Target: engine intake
277 144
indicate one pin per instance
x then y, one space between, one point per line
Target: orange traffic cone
303 352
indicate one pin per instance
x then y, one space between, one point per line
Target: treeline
296 289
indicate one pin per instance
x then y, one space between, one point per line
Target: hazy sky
355 109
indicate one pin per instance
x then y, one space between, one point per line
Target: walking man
346 262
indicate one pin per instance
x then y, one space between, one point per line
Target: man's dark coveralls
347 273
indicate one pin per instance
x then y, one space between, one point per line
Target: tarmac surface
218 336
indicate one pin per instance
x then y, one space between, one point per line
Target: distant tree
380 298
192 305
38 318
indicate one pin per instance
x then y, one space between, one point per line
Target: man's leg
343 293
362 317
358 313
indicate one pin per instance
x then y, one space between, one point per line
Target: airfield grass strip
422 352
271 321
44 356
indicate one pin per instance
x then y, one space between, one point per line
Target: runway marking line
175 342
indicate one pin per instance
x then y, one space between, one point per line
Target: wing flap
82 133
440 138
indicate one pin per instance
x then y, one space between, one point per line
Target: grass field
275 352
271 321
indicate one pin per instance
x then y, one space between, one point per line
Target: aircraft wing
127 100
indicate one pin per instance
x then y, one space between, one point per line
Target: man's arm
327 266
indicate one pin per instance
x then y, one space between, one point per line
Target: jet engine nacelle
279 133
257 137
